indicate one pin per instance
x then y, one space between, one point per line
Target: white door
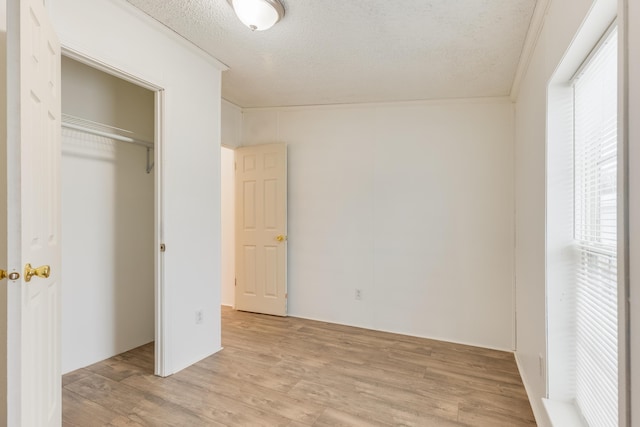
33 160
261 229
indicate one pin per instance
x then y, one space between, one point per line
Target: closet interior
107 215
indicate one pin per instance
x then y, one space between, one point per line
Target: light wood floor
293 372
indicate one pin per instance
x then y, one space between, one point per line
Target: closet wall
108 218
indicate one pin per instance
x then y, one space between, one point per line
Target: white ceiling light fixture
258 15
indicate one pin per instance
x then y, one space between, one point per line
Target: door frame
228 230
161 336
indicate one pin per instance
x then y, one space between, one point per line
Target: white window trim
559 405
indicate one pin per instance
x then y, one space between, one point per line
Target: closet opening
110 216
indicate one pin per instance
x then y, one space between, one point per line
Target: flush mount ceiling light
258 14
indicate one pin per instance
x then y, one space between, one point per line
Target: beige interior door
261 229
33 161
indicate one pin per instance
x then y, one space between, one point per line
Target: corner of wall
231 124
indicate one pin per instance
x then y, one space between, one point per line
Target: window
595 235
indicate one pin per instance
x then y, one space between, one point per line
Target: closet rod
108 135
88 126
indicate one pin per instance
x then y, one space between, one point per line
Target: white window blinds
595 193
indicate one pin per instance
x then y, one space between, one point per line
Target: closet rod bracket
150 162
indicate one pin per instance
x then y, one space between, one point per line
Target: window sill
563 414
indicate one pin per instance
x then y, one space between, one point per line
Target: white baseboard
537 406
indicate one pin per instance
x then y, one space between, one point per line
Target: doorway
254 228
108 203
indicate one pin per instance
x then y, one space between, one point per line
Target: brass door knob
281 238
42 272
3 274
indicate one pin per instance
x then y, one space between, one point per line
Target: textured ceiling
348 51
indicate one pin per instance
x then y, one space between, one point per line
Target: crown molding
529 46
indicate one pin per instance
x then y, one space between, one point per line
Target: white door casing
261 229
33 161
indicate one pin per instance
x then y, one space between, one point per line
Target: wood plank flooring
293 372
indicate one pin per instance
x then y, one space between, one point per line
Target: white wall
562 23
115 33
410 203
231 123
107 220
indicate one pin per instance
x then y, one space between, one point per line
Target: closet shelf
112 132
88 126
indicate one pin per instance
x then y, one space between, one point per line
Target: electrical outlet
358 294
199 317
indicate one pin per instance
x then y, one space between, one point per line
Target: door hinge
235 282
